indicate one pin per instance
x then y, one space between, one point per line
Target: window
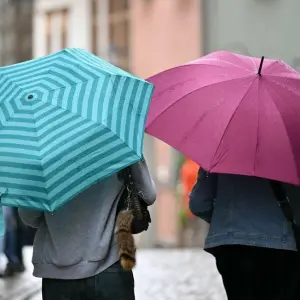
119 43
56 30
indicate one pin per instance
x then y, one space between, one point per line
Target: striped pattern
67 120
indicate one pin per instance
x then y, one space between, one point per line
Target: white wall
255 27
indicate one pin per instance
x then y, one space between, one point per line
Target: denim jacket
241 210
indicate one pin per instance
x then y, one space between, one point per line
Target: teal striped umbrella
67 120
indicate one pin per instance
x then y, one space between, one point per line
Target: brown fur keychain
125 239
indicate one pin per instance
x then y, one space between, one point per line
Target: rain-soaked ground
161 274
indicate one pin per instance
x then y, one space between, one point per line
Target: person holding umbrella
238 117
191 225
249 236
69 129
76 251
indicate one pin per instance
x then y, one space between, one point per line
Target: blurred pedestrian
191 226
1 254
249 236
19 232
75 249
12 243
10 240
188 178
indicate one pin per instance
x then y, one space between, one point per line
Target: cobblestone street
160 275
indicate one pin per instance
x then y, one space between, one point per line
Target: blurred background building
145 37
16 31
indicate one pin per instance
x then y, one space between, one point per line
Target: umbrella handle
260 65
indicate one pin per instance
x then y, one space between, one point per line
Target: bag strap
128 181
215 184
216 187
284 203
132 200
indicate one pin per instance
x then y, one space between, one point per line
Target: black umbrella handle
260 66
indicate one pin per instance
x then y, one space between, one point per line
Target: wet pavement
161 274
23 286
177 275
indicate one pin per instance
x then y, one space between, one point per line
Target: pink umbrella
231 114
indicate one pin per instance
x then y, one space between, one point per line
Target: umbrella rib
40 158
257 131
250 58
230 64
10 118
194 63
285 87
283 76
190 93
184 81
279 112
65 109
231 118
80 116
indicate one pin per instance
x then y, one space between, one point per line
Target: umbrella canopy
231 114
67 120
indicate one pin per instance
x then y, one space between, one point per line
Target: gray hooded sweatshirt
77 241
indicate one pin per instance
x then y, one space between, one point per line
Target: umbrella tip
260 66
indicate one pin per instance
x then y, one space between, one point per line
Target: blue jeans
111 284
10 237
